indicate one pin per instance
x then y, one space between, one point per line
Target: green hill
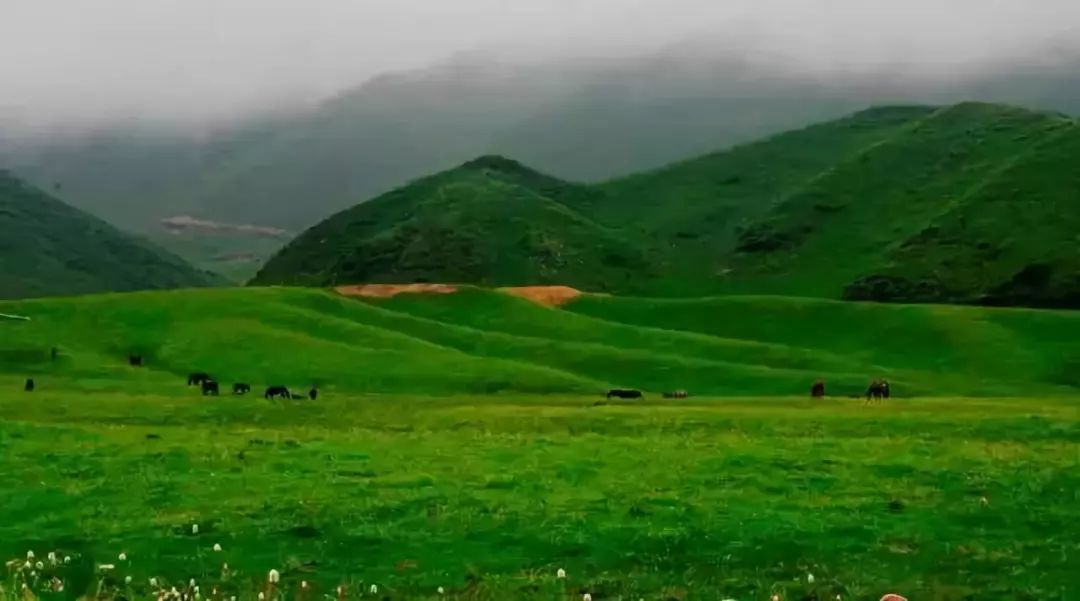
489 222
894 204
484 341
49 248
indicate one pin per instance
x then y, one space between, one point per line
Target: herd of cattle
878 390
879 387
210 387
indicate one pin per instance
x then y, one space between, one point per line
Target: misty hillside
49 249
972 203
579 120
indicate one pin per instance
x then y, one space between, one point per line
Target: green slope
49 248
483 341
1010 240
489 222
895 203
693 211
844 223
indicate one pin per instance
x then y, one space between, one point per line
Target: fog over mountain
79 65
276 114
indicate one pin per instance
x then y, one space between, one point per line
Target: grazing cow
625 393
879 389
241 388
817 391
277 391
676 394
209 387
197 378
313 394
135 360
29 385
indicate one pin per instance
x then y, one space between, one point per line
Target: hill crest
842 209
50 248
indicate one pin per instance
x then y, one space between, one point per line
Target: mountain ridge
50 248
834 210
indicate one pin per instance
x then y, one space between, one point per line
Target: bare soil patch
389 290
549 296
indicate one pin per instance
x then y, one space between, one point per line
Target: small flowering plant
31 577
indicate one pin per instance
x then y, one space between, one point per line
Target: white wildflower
441 591
24 586
153 582
233 598
561 573
586 597
127 580
67 559
196 589
262 596
374 589
341 590
52 557
174 592
810 579
30 556
194 528
224 567
191 583
33 575
217 548
303 584
122 557
105 567
775 598
39 565
273 577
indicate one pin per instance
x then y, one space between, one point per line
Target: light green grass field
458 443
488 497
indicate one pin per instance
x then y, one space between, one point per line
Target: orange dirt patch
549 296
389 290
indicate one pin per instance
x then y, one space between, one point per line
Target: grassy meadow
461 442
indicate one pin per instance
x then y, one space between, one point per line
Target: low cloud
82 64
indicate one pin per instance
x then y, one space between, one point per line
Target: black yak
209 387
277 391
625 393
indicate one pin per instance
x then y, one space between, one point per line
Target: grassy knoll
482 341
489 496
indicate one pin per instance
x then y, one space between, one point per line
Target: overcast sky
64 61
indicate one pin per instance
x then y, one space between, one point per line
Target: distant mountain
49 248
587 120
972 203
490 221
